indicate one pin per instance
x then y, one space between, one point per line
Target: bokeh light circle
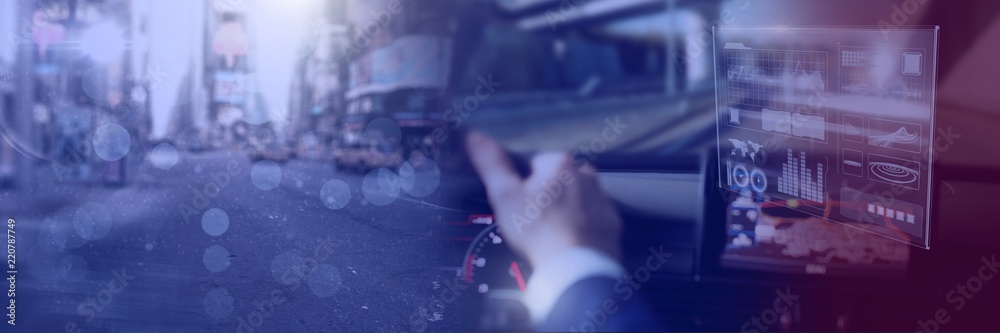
335 194
164 156
381 187
266 175
58 232
219 303
324 281
216 258
96 84
215 222
420 176
92 221
111 142
288 268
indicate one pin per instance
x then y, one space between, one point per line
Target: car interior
662 171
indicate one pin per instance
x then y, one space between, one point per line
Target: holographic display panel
837 123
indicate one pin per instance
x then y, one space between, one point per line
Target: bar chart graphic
799 180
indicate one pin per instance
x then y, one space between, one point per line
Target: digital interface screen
836 123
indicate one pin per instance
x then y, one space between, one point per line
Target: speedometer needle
517 275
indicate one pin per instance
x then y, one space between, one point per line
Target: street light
103 42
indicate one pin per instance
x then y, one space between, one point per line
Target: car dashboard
673 204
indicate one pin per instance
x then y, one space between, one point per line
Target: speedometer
490 265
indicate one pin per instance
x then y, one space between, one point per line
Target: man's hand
559 206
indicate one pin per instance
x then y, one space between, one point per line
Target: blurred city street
238 166
365 268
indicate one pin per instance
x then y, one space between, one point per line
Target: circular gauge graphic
894 173
758 181
741 176
490 265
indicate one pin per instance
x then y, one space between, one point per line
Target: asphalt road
171 253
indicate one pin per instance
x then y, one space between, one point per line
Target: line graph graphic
853 129
863 84
849 129
900 136
884 133
775 79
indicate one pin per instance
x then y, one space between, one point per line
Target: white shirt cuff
559 272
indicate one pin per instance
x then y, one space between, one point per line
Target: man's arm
565 225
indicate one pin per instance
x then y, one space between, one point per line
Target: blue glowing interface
837 123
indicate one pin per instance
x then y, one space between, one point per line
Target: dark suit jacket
598 304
